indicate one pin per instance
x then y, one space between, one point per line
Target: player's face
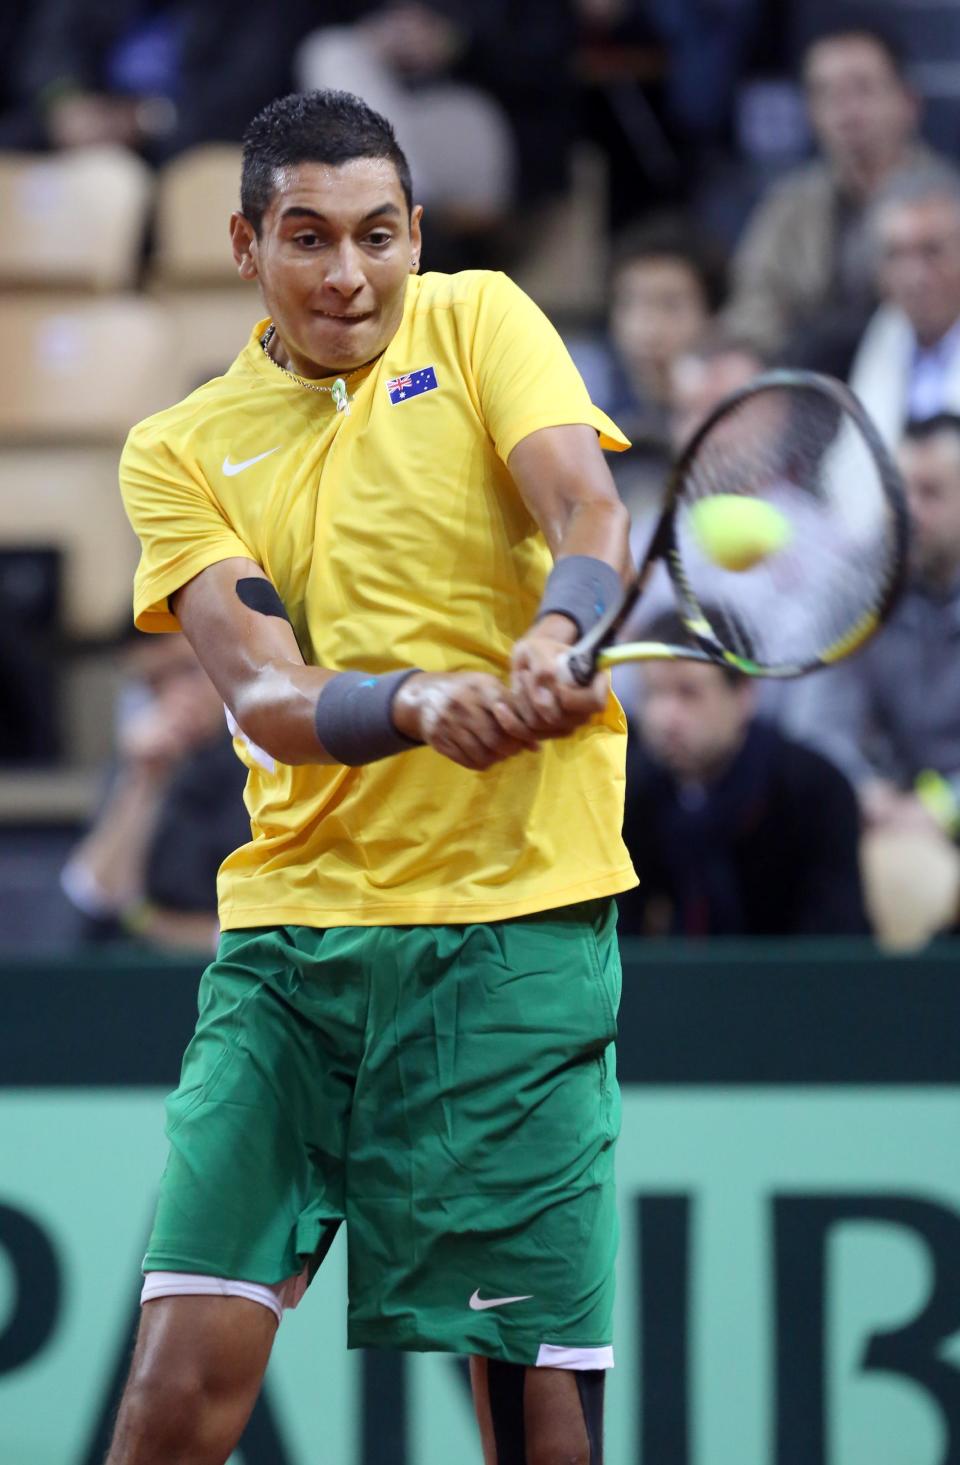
859 107
920 263
931 473
335 250
692 719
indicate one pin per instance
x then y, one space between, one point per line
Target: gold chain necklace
341 397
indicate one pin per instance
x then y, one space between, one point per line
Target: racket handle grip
583 664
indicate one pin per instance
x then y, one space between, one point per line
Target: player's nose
345 274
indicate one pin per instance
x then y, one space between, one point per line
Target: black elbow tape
353 717
261 596
583 588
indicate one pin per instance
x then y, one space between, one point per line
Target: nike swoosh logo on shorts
232 469
480 1304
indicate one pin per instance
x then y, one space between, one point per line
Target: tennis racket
802 443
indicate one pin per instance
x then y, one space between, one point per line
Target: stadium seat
196 194
73 220
84 370
67 498
211 327
194 277
564 269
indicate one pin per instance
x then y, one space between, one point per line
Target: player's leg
252 1192
195 1375
538 1416
481 1207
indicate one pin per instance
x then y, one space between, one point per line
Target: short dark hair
921 429
313 127
671 236
667 627
846 28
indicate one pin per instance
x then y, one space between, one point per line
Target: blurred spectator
908 363
173 811
803 277
709 45
890 717
734 829
155 75
480 97
718 364
665 285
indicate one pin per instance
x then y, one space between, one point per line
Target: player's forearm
592 563
306 714
592 566
600 530
276 709
566 485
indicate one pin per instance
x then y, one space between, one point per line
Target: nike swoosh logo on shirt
232 469
480 1304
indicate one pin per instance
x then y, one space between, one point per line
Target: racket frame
596 649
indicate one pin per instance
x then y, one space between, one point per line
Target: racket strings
801 452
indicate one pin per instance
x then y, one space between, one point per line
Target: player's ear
243 238
416 243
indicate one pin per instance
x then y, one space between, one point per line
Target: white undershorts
287 1294
278 1296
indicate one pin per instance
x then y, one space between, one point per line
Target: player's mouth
344 320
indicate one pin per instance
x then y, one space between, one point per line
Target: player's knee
161 1417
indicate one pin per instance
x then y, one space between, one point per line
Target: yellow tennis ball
737 532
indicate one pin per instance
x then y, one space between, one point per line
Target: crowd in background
779 191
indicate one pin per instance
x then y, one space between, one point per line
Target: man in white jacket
908 363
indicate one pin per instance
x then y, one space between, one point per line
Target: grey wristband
353 717
582 588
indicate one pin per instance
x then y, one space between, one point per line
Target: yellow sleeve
525 377
181 527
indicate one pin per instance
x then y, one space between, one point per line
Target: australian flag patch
412 385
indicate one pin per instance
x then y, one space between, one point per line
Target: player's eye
379 238
308 239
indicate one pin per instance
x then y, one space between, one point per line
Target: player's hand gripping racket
802 445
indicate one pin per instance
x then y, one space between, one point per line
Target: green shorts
448 1091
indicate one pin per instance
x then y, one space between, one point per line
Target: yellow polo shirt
395 537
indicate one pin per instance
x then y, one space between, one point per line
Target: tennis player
381 530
